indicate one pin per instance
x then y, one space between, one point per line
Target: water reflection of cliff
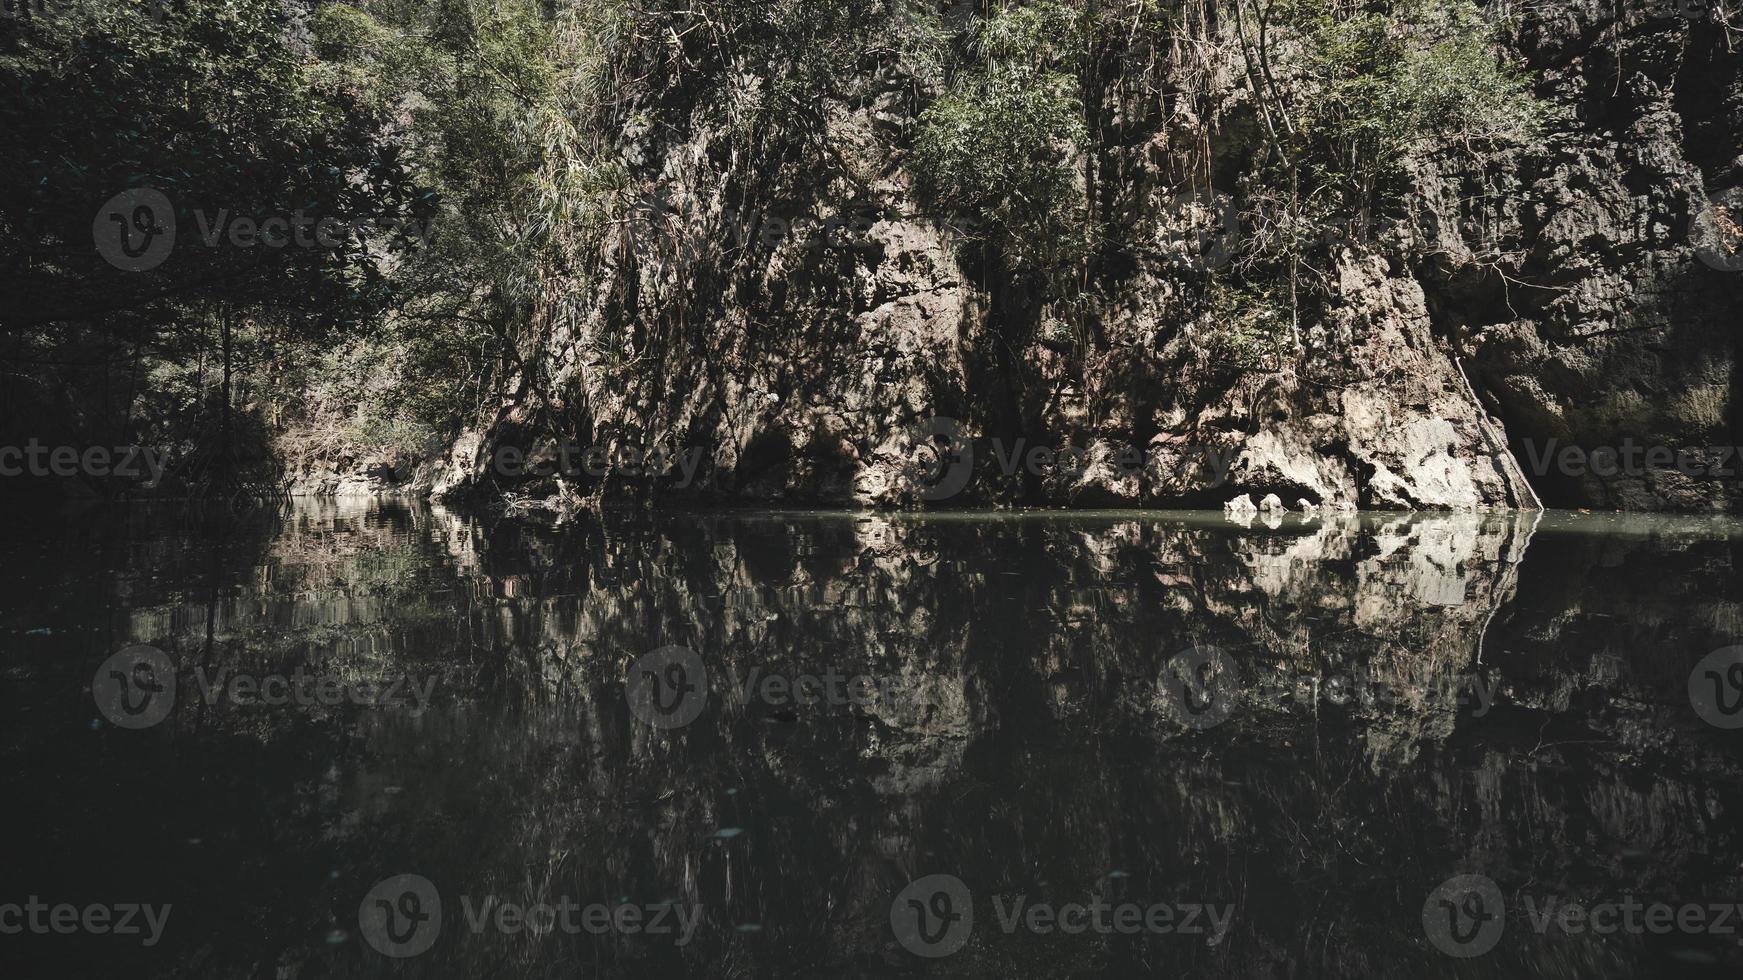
1026 751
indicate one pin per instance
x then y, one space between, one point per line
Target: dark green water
1029 705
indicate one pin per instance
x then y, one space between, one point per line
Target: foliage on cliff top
1348 93
997 146
1388 81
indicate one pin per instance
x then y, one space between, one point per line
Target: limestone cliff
775 292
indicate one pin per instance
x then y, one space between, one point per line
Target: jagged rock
1241 509
1581 309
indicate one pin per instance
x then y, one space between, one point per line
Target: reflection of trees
1037 762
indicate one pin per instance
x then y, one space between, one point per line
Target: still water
352 739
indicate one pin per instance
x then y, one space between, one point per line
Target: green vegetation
998 147
209 105
529 138
1386 83
1250 323
1341 95
476 81
1347 94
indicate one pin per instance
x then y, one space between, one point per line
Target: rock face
408 473
819 337
1596 298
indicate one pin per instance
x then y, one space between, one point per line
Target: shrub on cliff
1389 82
997 147
1346 93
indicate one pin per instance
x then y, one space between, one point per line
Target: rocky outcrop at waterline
778 294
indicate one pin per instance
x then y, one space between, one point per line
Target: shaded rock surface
1571 292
